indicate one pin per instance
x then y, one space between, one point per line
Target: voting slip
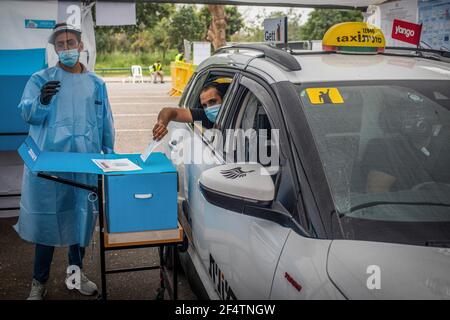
150 148
112 165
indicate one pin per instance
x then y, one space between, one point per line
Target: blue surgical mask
211 112
69 57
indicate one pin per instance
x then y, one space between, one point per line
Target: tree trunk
217 29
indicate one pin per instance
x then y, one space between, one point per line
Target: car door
239 252
188 143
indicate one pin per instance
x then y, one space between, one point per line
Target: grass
127 59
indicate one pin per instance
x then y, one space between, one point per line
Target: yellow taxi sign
324 96
354 37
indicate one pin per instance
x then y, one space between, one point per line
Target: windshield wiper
378 203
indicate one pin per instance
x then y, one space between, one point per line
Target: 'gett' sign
275 30
406 31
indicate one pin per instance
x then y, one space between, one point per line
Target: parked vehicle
312 226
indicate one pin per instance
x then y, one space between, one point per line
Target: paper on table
110 165
150 148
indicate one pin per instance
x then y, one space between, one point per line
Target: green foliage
161 37
185 24
318 23
160 29
320 20
119 59
235 21
148 15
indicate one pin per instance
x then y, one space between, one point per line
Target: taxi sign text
366 35
354 37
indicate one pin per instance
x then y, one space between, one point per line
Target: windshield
385 149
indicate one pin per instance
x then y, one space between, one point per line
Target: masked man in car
210 100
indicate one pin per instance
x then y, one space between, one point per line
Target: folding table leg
162 284
103 271
102 239
175 273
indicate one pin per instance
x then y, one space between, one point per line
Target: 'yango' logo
406 32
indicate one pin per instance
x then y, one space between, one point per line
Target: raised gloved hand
48 91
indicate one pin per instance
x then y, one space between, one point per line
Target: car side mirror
233 186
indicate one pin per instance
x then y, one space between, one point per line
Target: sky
250 13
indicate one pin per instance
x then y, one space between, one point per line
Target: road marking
135 114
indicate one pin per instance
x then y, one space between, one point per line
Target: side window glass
250 137
192 100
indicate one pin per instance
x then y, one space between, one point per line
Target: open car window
223 83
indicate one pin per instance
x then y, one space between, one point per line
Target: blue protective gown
78 119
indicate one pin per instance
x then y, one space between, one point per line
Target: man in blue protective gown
68 110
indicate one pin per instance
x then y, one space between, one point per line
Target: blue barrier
16 67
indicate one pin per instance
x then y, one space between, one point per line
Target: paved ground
135 108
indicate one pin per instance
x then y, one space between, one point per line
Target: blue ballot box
139 200
144 201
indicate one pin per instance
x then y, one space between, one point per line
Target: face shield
65 45
64 29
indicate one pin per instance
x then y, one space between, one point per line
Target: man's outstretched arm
170 114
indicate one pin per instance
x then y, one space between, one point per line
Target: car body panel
405 271
240 249
304 260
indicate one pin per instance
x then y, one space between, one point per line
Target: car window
255 125
384 148
247 137
223 83
260 141
194 92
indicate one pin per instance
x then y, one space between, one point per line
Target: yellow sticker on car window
324 95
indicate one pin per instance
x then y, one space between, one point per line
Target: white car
356 204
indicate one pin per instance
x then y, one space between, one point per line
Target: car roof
347 67
330 66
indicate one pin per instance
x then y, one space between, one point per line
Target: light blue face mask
211 112
69 57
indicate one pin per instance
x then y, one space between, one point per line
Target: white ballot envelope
111 165
150 148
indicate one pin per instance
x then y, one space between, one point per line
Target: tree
234 19
320 20
150 14
217 29
147 16
185 24
161 38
